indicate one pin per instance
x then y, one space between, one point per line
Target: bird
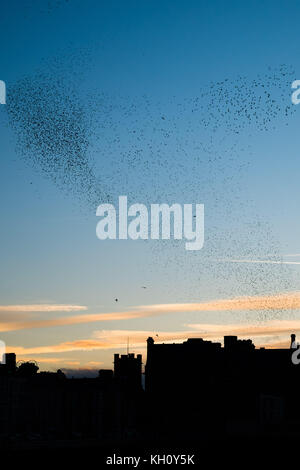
116 300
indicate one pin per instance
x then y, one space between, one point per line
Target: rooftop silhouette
192 389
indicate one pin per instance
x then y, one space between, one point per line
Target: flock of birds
94 146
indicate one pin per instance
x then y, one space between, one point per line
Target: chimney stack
293 341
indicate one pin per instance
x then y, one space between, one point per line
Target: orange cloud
275 327
287 301
93 364
42 308
78 345
267 335
278 345
47 360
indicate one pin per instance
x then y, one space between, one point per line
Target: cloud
272 328
279 345
286 301
120 338
42 308
64 363
104 339
259 261
47 360
263 335
71 320
77 345
94 364
292 255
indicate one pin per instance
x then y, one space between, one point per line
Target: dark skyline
237 388
162 102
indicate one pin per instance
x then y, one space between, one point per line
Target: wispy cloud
42 308
93 364
270 328
71 320
286 301
47 360
292 255
267 335
78 345
258 261
104 339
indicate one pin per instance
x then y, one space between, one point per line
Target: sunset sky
163 101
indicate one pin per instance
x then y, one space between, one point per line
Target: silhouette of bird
116 300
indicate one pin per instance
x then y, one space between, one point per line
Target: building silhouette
128 368
232 389
194 390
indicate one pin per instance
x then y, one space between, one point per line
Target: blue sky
161 88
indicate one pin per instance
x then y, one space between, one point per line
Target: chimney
293 342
